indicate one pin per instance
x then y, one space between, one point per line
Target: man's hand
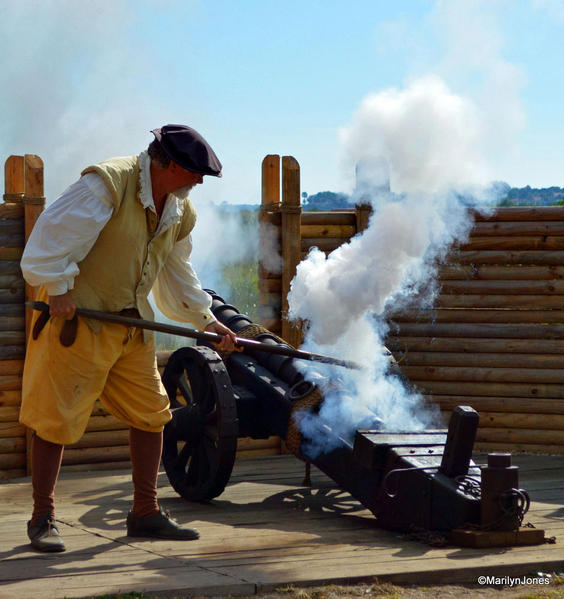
62 305
228 341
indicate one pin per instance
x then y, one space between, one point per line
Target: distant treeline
530 196
323 200
330 200
327 200
508 196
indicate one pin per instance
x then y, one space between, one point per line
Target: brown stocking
145 449
46 458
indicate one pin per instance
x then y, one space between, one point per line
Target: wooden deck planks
175 577
265 531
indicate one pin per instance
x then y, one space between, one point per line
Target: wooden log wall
495 337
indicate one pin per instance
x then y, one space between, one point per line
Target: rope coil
269 207
38 200
13 198
290 209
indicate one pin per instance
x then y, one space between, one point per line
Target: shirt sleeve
64 234
178 292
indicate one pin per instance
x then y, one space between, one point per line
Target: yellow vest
120 269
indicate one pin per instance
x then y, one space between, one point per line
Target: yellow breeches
61 384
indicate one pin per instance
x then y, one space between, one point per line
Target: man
122 230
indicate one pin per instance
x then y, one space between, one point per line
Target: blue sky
83 81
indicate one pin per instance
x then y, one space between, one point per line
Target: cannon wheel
207 425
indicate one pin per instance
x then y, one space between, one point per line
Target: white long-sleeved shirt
67 230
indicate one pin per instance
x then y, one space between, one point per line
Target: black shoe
159 526
44 535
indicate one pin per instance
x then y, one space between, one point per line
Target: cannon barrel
281 365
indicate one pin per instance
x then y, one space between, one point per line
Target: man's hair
157 154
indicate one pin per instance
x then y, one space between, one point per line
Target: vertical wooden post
269 271
14 184
291 240
270 197
14 191
34 202
14 181
269 265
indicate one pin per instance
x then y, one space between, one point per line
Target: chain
469 485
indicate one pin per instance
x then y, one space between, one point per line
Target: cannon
424 480
409 480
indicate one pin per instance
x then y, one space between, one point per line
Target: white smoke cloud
270 257
64 78
474 64
429 137
370 398
218 241
345 296
435 143
79 87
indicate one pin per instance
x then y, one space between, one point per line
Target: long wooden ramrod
202 335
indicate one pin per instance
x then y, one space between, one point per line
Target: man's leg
146 449
146 519
135 394
46 458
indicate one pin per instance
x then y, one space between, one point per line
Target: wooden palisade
495 336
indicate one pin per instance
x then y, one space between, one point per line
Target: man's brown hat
188 149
